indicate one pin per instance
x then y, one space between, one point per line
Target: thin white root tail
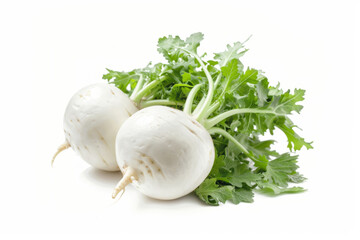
61 148
129 177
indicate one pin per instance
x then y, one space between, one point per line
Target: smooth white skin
92 120
166 150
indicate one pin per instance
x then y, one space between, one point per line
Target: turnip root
165 152
91 122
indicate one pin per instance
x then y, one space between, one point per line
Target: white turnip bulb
164 152
91 122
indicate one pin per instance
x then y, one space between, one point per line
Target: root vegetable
91 122
165 152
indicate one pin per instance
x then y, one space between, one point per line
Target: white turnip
91 122
164 151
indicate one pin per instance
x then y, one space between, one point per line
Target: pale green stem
215 106
163 102
217 80
215 120
210 94
225 134
198 107
190 99
147 89
212 108
139 85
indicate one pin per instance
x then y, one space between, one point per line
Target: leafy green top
237 108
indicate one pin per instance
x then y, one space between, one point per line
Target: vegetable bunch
220 96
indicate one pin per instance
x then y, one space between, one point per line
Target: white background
51 49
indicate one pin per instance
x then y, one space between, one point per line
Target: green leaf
121 79
218 164
249 77
186 77
279 169
261 162
174 48
262 89
286 103
170 46
243 175
272 189
182 85
242 195
232 52
231 72
257 147
296 178
275 91
212 194
294 140
194 41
